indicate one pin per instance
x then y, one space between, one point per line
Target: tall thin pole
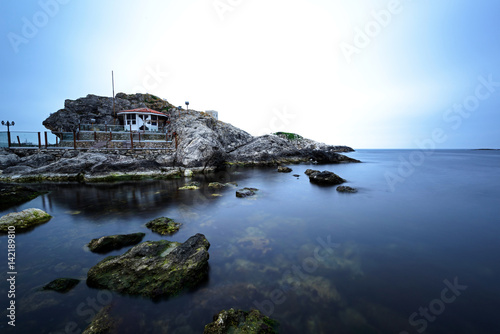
113 81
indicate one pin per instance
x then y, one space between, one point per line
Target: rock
114 242
308 172
283 169
240 322
296 175
325 178
154 268
188 173
24 220
346 189
7 158
61 285
102 323
14 194
191 186
246 192
218 185
163 226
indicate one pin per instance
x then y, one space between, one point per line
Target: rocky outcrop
113 242
283 169
326 178
103 323
201 142
154 269
241 322
163 226
24 220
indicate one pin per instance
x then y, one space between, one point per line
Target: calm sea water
415 250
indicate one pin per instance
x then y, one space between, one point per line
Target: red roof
142 111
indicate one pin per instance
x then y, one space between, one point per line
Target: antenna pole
113 81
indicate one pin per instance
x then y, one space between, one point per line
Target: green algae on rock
154 268
102 323
14 194
163 226
241 322
61 285
246 192
24 220
114 242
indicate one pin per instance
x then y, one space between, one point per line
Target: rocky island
202 143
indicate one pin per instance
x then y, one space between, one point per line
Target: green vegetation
288 135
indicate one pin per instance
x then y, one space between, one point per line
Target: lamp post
179 108
8 125
187 105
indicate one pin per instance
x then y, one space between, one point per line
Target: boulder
163 226
191 186
246 192
283 169
218 185
325 178
24 220
346 189
308 172
154 268
240 322
7 158
61 285
114 242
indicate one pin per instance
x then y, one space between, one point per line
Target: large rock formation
154 268
24 220
100 108
201 142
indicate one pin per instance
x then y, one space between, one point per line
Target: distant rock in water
346 189
163 226
154 268
24 220
61 285
325 178
283 169
246 192
238 321
113 242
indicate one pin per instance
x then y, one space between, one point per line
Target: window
131 119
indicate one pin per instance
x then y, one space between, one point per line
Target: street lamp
187 105
179 108
8 125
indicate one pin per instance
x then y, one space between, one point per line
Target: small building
143 119
213 113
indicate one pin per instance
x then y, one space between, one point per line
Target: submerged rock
24 220
218 185
346 189
14 194
61 285
283 169
241 322
102 323
154 268
325 178
114 242
163 226
246 192
191 186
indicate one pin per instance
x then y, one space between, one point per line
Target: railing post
19 141
39 141
8 138
95 136
74 139
131 140
46 141
110 135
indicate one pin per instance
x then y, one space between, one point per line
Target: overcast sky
368 74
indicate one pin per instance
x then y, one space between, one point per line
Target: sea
415 250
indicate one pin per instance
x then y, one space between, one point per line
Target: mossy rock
154 268
14 194
61 285
246 192
114 242
191 186
163 226
240 322
102 323
24 220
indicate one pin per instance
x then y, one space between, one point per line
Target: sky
367 74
